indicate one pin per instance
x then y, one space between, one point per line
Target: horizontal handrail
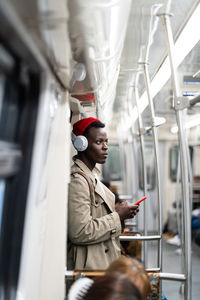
171 276
125 197
70 274
153 270
139 238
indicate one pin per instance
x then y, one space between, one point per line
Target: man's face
97 150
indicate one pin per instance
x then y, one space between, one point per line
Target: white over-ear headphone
80 142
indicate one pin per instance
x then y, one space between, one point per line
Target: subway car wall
135 66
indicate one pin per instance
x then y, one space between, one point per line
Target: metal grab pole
145 250
178 213
139 237
183 155
155 139
190 177
71 274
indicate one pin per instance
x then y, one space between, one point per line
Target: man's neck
87 162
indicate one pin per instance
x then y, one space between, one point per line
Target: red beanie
80 126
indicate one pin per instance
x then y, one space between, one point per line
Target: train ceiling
112 38
96 47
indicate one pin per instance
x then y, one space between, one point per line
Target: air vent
87 103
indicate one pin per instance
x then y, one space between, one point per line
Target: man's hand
126 211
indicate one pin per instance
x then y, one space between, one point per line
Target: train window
2 190
112 168
173 161
150 168
19 94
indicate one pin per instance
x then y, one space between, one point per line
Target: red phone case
140 200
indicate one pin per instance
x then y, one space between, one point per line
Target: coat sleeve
82 228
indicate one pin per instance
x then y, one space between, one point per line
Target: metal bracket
158 121
144 130
181 103
165 14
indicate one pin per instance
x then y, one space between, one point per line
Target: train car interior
135 65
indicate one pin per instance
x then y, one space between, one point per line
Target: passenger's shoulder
75 170
78 175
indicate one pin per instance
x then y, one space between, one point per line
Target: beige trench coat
93 226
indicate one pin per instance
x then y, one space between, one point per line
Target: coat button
96 202
106 250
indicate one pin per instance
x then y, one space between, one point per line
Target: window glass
150 168
173 161
19 96
112 169
2 189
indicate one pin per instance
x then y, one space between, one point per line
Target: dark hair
95 124
113 286
106 183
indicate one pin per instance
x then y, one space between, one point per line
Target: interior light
196 74
174 129
188 38
79 74
192 122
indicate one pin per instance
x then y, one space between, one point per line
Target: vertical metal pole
155 139
190 177
177 195
145 217
179 211
183 155
122 160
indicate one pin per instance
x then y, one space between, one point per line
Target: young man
94 226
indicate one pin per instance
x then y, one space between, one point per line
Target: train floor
172 263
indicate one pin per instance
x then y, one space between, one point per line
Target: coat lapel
105 194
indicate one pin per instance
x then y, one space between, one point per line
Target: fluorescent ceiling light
189 124
174 129
188 38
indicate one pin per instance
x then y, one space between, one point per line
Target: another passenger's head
134 270
90 140
113 286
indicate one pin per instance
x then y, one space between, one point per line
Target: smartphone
140 200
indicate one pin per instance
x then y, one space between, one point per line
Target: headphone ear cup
80 143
